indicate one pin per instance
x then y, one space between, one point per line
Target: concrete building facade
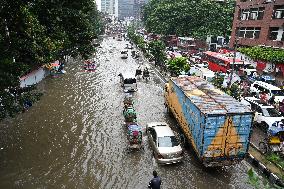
125 9
110 7
258 23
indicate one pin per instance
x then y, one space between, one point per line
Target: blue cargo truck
216 125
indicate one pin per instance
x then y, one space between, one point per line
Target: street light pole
235 48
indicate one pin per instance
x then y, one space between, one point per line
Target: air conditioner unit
277 14
253 16
269 1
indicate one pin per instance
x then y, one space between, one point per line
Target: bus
218 62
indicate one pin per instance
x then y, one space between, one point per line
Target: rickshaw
135 54
124 54
146 74
90 65
129 114
134 136
274 140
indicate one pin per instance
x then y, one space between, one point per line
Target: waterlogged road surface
74 138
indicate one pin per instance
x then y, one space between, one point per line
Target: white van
202 72
128 82
259 86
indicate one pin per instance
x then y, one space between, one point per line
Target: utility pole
235 48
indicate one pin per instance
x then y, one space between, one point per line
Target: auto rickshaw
274 142
129 114
134 136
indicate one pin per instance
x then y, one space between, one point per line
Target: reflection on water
74 137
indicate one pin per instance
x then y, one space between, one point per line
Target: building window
278 12
245 14
249 32
273 33
252 14
256 33
260 13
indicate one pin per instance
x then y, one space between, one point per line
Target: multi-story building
125 8
258 23
110 7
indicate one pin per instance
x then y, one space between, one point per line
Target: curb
265 171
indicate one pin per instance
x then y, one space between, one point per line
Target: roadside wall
33 78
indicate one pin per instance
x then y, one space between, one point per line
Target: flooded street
74 136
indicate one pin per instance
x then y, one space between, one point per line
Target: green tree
264 53
189 18
178 65
36 32
157 49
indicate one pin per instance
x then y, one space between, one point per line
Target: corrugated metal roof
207 98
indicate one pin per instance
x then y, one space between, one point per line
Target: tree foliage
157 49
36 32
189 18
264 54
178 65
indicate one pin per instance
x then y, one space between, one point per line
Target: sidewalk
269 169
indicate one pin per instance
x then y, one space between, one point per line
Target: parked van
202 72
128 82
259 86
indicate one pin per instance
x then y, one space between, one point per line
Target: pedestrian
263 97
272 101
281 107
155 182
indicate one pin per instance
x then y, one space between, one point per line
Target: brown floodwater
74 138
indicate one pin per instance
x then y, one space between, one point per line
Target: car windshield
278 92
248 66
270 112
272 82
167 141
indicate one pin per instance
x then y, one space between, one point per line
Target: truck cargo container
216 125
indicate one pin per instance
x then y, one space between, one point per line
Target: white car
265 115
166 148
248 69
202 72
259 86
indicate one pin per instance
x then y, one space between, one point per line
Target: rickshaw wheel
263 147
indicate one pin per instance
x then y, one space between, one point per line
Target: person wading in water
155 182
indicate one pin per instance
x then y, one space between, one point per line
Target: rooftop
207 98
